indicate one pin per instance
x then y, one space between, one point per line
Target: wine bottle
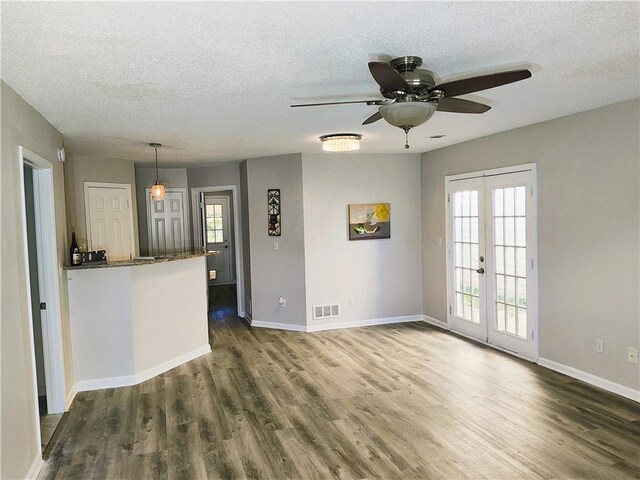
76 258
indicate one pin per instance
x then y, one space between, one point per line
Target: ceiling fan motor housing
420 81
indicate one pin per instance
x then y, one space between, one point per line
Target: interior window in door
466 245
510 242
213 215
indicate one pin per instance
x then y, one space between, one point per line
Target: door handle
480 270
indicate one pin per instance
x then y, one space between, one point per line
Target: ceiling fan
412 96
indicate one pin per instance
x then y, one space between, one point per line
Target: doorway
216 231
39 234
491 245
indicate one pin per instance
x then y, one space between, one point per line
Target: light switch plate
632 355
599 345
276 247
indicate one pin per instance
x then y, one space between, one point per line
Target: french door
491 258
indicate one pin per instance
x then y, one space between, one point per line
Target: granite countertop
141 261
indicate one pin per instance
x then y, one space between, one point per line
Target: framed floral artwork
369 221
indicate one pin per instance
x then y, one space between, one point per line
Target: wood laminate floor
397 401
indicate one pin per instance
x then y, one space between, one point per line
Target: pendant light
157 189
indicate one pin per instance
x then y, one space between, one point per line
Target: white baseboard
335 325
128 380
436 322
277 326
364 323
591 379
70 397
35 467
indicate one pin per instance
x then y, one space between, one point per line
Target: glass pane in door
214 219
466 247
509 244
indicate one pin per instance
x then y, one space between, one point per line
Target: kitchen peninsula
134 319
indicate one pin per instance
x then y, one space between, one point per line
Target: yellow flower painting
368 221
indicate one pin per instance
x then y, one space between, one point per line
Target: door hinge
533 335
532 191
448 198
532 264
43 305
450 310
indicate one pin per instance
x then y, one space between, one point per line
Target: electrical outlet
439 241
599 345
276 247
632 355
352 301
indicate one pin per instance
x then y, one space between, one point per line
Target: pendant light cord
155 147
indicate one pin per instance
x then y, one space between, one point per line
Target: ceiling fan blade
458 105
387 77
368 102
483 82
373 118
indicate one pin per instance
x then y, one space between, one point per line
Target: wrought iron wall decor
273 211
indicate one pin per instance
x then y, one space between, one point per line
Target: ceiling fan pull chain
406 136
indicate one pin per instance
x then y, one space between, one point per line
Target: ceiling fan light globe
157 192
408 114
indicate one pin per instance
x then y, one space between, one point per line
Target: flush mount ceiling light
341 142
157 189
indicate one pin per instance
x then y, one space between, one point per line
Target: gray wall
588 231
246 241
82 168
22 125
170 178
279 273
214 175
384 277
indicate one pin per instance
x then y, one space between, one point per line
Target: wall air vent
326 311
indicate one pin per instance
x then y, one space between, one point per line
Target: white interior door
166 223
218 239
491 275
110 220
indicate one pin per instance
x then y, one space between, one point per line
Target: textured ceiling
214 81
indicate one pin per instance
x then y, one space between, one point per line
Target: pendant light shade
157 189
157 192
408 114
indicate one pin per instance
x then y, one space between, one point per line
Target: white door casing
237 233
167 230
109 217
492 294
48 283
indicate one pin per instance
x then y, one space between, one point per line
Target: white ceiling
213 81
